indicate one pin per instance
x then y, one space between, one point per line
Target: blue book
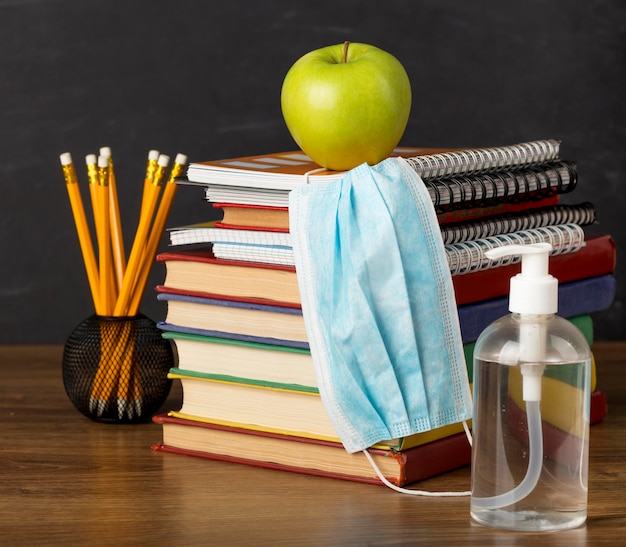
580 297
236 320
284 326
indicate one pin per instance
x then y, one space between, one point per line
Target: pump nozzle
533 290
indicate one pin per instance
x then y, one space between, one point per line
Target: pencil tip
101 407
121 408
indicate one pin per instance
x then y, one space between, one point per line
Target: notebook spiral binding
583 214
480 190
469 256
484 160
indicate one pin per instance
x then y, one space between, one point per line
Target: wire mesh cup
115 368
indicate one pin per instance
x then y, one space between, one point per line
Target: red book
558 444
474 213
597 257
310 456
322 458
198 272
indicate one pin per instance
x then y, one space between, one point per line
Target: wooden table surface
65 480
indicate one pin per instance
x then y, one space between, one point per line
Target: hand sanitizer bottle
532 378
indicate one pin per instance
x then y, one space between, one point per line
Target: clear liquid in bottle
530 458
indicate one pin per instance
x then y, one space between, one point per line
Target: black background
204 78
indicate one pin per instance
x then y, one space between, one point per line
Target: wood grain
65 479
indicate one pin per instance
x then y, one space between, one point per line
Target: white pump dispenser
516 362
533 290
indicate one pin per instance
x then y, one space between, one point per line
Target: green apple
346 104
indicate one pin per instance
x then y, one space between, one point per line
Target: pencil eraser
103 161
105 151
66 158
90 159
180 159
164 160
153 155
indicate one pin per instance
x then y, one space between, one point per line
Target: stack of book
234 314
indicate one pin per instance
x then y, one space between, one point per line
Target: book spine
582 215
484 160
512 186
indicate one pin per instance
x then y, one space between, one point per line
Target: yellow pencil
141 236
82 228
151 166
92 175
98 212
117 238
104 236
157 231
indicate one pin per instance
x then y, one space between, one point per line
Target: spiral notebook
475 190
463 257
558 177
582 214
266 244
286 170
484 160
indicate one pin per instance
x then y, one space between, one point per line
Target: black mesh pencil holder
115 368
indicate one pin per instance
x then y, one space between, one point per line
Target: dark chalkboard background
204 78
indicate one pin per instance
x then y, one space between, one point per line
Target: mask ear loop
313 172
419 492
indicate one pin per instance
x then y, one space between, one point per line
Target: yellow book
559 395
280 410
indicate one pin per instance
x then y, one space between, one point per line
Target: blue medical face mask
379 305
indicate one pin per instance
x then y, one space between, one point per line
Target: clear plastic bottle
532 377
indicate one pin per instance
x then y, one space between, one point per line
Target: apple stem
346 44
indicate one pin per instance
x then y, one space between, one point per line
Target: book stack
234 314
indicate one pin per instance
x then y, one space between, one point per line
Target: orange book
262 217
265 217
